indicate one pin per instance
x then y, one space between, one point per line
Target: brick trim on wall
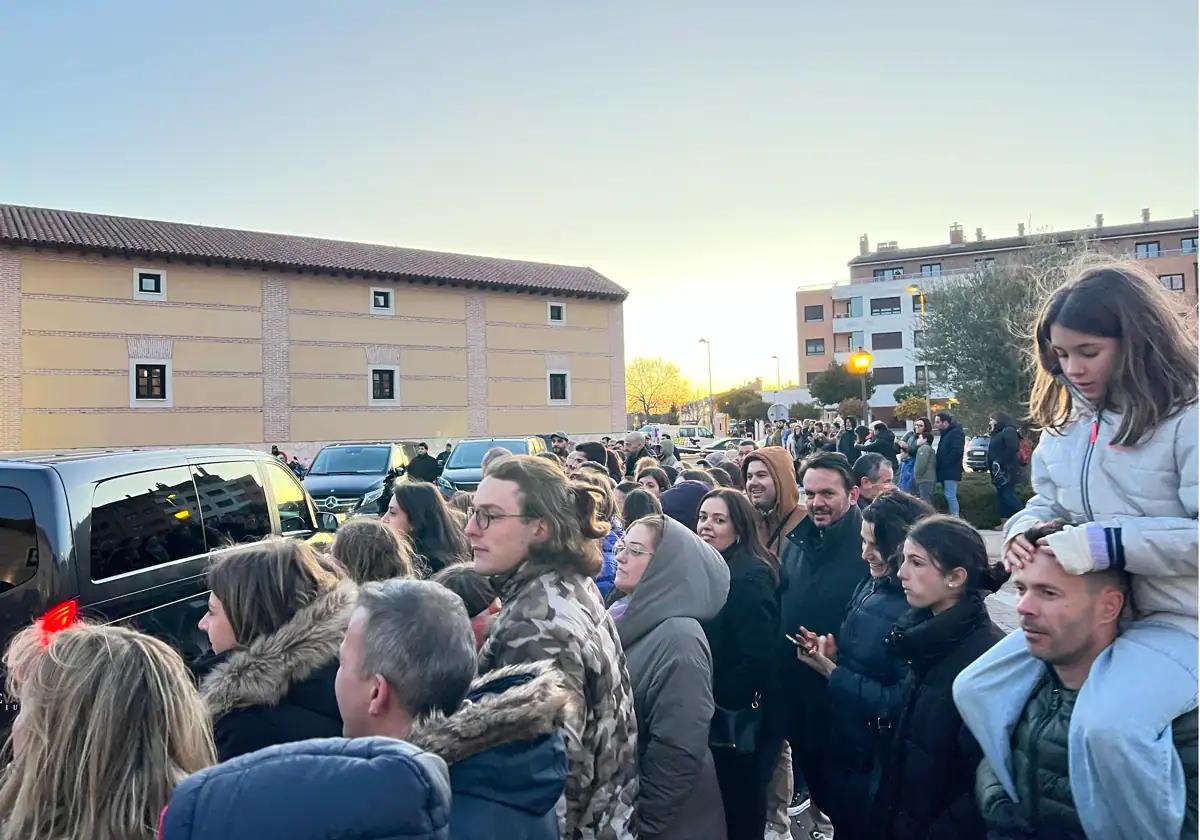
477 376
10 351
276 363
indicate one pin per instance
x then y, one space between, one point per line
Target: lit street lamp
860 364
917 290
712 407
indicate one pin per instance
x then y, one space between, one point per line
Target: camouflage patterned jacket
557 614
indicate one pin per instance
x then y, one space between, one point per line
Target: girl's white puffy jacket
1142 499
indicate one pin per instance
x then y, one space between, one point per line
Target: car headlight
444 484
372 496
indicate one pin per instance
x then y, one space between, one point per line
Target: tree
978 332
653 386
804 411
742 404
836 383
905 391
852 407
910 408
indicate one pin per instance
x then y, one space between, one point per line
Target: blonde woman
276 616
110 722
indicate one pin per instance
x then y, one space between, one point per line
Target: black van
125 536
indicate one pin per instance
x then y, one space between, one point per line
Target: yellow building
120 332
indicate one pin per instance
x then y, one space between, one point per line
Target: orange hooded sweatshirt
788 510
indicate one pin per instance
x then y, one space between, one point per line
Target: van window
144 520
18 539
232 502
290 501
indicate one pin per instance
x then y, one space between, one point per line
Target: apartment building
875 309
120 332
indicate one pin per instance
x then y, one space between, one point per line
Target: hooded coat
553 612
788 512
365 788
686 583
682 502
949 453
1002 454
507 758
279 688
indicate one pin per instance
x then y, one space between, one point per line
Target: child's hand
1021 551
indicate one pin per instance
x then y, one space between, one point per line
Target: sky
710 157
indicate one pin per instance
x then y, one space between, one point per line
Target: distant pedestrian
950 458
1003 445
423 467
110 722
925 467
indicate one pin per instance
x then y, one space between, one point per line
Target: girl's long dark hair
437 539
1156 367
744 520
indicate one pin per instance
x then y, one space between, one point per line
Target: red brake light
59 618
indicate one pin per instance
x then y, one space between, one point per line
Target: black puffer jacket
1002 454
950 453
927 785
742 637
885 444
865 692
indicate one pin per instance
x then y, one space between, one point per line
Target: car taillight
59 618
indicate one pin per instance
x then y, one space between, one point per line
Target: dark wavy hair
437 540
639 503
891 515
1156 367
743 517
952 543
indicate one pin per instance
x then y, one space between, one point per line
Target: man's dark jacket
949 460
424 467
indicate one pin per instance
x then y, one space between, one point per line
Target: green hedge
977 499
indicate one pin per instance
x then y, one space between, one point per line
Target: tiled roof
1066 236
36 226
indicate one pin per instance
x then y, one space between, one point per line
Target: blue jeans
950 488
1126 776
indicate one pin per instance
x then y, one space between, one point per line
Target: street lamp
778 379
860 363
712 407
917 290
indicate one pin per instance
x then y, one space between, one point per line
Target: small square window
556 313
814 313
149 383
1146 250
931 270
382 302
1187 246
814 347
149 284
558 387
1172 282
384 385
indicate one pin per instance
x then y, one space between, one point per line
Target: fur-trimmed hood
262 673
511 704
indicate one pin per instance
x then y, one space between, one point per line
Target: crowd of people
605 642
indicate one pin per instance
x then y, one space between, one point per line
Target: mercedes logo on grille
331 502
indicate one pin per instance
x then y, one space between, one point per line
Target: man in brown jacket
770 480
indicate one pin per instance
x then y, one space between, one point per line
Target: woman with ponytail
537 537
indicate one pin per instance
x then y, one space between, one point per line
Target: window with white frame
149 284
383 301
1172 282
150 383
558 387
556 313
383 385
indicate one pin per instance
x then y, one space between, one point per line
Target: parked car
356 478
464 470
722 445
127 536
975 458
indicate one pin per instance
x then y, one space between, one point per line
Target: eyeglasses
484 518
621 547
